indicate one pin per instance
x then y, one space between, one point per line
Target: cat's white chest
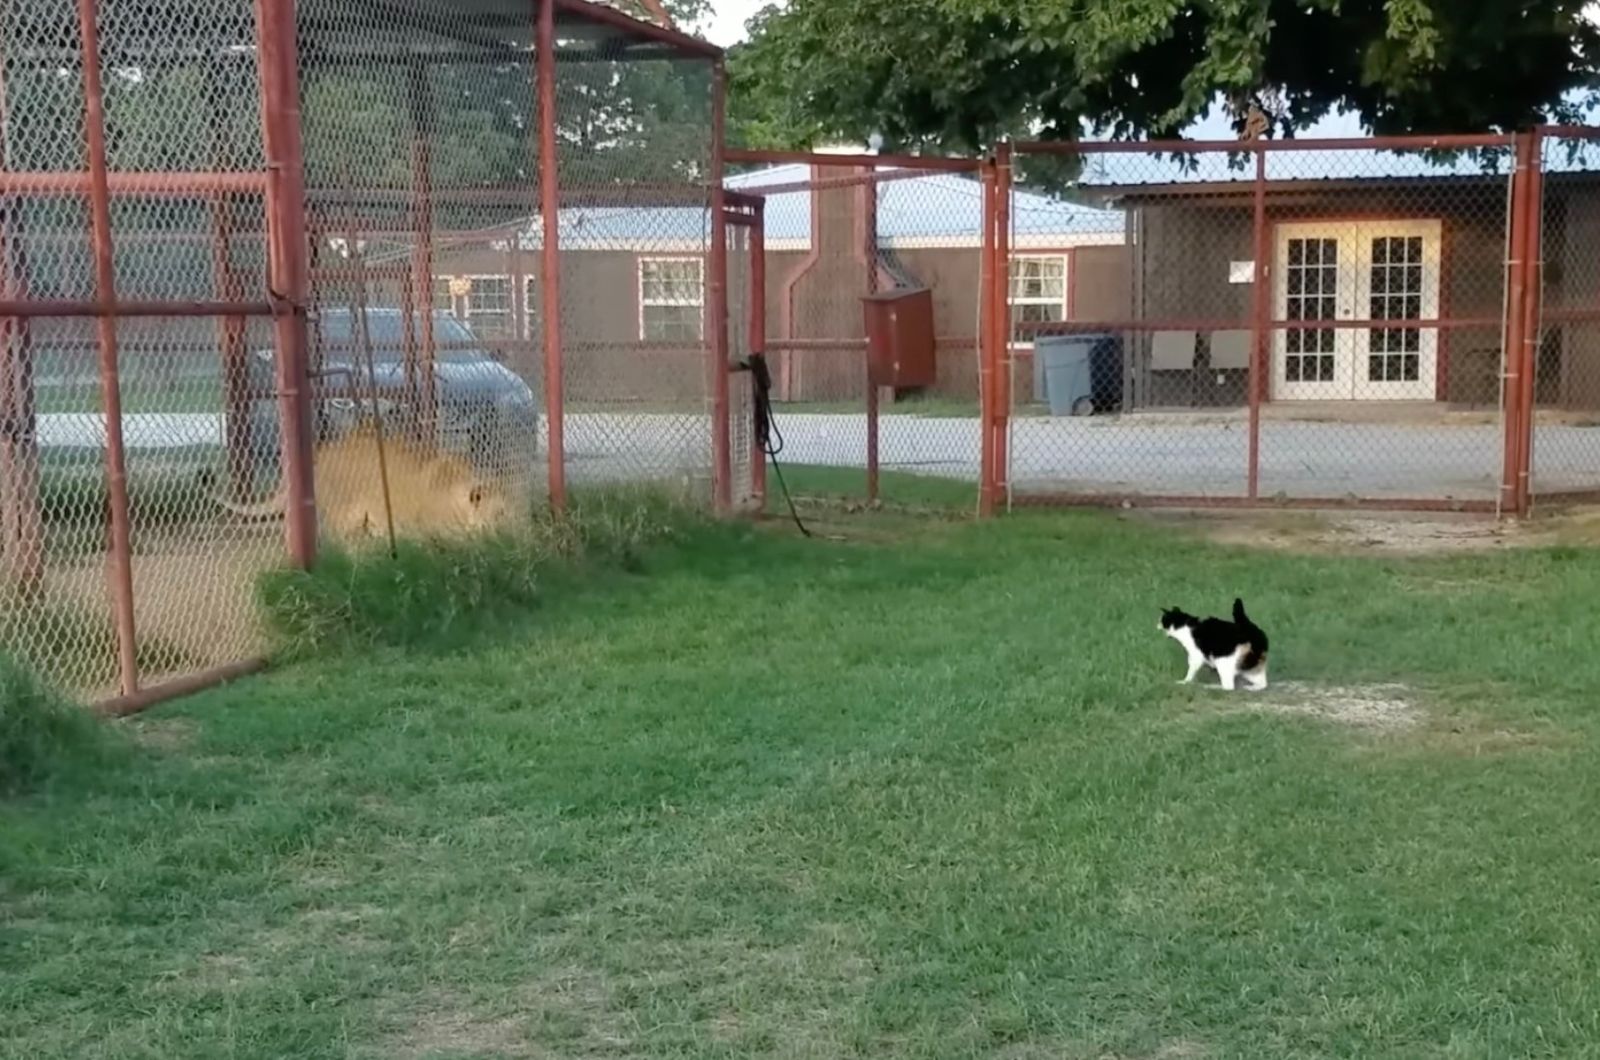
1185 636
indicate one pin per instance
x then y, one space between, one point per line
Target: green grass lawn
929 792
823 483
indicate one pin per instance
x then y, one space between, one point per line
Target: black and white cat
1234 649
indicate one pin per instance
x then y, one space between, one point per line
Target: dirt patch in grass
571 1006
1337 532
445 1025
1394 710
1180 1049
1475 736
323 929
1390 533
1176 1049
1373 708
222 972
167 735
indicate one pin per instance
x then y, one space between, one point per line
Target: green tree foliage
181 94
956 74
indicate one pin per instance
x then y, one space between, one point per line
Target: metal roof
936 210
1102 172
1150 170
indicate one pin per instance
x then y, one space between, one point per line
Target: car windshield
386 331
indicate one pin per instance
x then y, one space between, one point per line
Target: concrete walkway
1202 455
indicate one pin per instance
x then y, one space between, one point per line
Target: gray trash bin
1066 363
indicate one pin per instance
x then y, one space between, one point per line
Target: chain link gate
1279 323
344 224
502 238
872 290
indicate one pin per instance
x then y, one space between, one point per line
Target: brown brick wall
818 297
1185 245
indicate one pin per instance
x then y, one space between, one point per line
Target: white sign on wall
1241 272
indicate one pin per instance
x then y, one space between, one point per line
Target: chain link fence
215 306
640 318
1565 346
421 160
1316 323
171 237
747 464
120 569
870 322
1378 323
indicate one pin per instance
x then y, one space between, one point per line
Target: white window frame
1350 347
699 302
509 314
454 308
1012 300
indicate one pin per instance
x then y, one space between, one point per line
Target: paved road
1129 454
1208 456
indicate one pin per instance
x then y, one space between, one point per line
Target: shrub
44 738
437 591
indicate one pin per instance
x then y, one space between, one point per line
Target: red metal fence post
1001 411
717 305
758 338
1515 321
869 254
1533 301
121 555
289 268
550 259
987 355
1260 362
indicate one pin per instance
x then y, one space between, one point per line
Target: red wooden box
900 338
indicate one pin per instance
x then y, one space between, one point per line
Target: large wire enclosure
276 277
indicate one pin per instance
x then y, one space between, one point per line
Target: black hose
768 438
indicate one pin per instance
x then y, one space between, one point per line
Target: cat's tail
1257 639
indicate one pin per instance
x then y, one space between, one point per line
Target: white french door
1384 270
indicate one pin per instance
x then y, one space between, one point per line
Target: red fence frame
1520 320
741 210
287 205
903 167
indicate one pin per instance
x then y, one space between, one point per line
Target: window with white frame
488 306
1038 292
444 296
671 299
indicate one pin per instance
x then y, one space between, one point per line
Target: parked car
486 412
